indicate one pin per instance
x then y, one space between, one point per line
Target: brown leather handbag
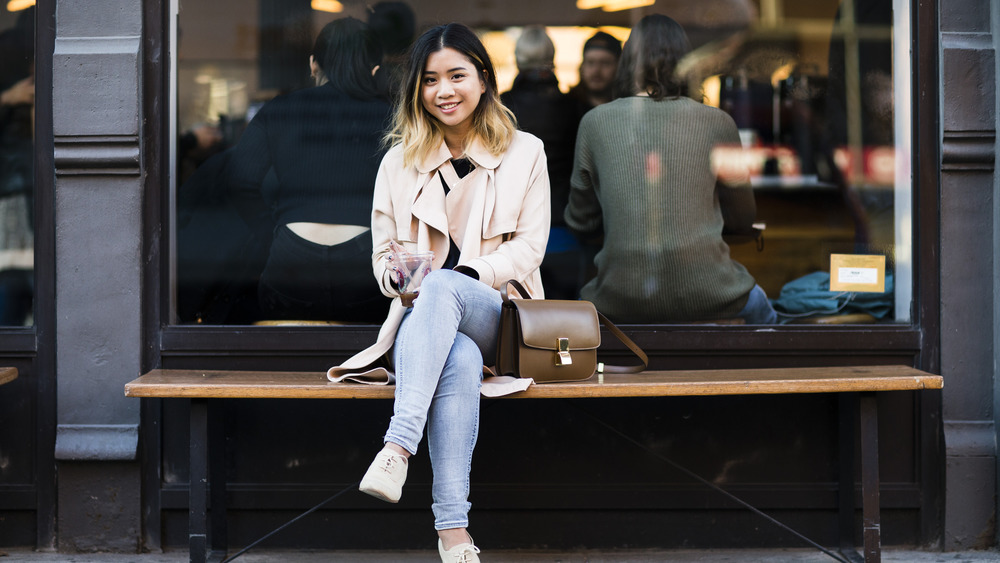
552 340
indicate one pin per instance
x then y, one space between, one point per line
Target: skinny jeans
438 357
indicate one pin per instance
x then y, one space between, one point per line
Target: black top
463 167
319 149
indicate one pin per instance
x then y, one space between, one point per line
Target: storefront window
17 177
817 97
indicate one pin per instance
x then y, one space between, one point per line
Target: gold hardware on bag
562 352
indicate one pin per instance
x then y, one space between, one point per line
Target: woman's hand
397 272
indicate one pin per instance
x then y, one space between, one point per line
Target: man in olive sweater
643 174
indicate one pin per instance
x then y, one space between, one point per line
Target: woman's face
450 90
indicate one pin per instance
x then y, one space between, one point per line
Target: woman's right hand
397 272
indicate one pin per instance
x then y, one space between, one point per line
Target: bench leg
848 415
850 405
870 478
198 482
217 478
207 483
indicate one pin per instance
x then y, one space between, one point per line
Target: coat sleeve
522 251
383 229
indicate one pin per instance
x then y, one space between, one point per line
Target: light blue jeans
758 310
438 355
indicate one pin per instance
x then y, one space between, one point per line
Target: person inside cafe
544 111
644 177
311 157
597 71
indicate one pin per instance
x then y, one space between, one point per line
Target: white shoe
385 476
461 553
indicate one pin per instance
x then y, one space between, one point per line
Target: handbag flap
544 321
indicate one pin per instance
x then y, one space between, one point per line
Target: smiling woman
462 182
450 91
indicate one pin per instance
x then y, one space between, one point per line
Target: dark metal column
198 482
217 477
870 478
848 412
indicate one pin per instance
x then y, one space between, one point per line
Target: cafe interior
812 86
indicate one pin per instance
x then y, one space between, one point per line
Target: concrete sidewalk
636 556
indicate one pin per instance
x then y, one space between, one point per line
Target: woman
643 176
312 156
460 181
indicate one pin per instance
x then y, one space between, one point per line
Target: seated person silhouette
643 174
545 112
312 157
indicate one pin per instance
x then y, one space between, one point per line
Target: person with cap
544 111
597 71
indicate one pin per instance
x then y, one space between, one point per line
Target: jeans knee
437 283
466 357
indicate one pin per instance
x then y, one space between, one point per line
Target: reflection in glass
643 175
17 97
818 91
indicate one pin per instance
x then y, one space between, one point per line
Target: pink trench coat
499 216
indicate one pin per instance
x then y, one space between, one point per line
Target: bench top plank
214 384
7 375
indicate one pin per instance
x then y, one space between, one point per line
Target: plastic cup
415 265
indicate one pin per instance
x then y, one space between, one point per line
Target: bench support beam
859 417
198 482
206 475
871 520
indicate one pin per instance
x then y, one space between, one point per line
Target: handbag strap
604 320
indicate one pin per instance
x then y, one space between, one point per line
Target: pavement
889 555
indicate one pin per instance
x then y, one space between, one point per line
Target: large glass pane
17 177
815 136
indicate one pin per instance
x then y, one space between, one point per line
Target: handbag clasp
562 352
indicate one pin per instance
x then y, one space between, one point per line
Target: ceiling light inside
18 5
327 6
619 5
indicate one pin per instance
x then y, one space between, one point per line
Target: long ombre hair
416 130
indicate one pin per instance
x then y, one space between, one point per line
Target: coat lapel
428 203
481 218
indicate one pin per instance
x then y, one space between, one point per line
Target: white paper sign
858 275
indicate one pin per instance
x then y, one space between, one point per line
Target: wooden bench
7 375
201 387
